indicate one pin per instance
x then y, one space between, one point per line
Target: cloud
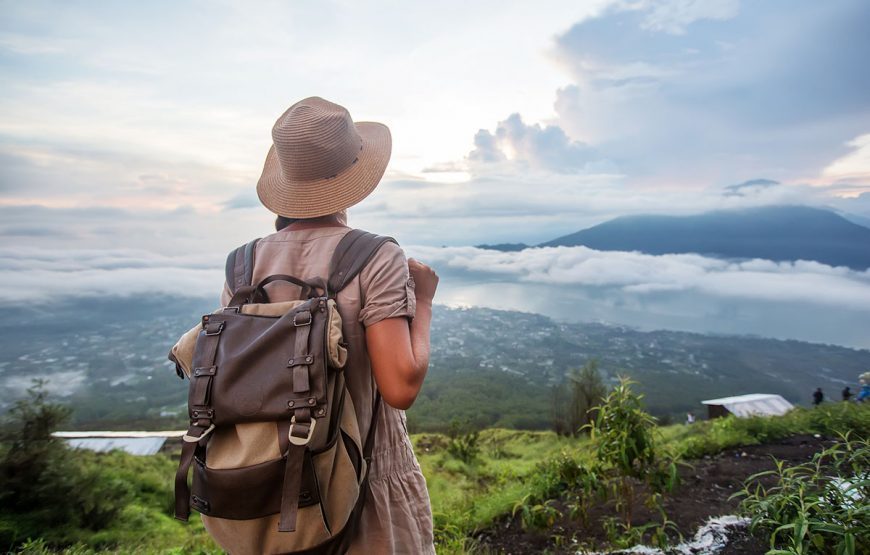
246 199
749 187
689 93
45 275
532 147
538 206
854 166
634 273
178 231
673 16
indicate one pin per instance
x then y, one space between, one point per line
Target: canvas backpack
256 363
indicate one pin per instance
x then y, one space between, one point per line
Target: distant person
864 380
818 396
690 418
847 393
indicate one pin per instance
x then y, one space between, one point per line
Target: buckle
192 439
230 308
219 329
300 441
298 323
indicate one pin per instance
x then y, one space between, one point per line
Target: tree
586 390
44 485
30 449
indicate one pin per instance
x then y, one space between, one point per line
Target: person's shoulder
388 259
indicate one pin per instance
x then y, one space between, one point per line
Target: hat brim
320 197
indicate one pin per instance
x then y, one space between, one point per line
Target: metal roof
132 445
753 404
135 443
168 433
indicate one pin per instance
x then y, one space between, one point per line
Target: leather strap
239 269
292 484
301 360
201 412
300 429
182 491
351 255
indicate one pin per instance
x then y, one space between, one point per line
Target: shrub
586 391
628 452
463 443
45 488
817 507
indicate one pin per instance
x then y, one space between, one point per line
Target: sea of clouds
790 300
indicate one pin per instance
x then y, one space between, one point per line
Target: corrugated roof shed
132 445
753 404
135 443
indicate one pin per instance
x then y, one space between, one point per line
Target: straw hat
321 162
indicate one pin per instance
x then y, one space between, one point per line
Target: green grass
144 525
465 497
515 464
469 496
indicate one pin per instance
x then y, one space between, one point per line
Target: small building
135 443
743 406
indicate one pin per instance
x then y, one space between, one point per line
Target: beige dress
397 516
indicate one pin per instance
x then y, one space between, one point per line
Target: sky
133 133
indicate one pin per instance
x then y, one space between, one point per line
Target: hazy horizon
129 163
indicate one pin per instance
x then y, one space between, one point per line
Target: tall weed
820 507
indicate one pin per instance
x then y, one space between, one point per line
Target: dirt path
704 491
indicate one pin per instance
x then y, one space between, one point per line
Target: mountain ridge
779 233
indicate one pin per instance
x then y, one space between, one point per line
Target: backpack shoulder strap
351 255
239 270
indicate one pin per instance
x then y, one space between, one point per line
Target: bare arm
399 350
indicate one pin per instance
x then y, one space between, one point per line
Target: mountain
505 247
771 232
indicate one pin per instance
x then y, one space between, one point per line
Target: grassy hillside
467 495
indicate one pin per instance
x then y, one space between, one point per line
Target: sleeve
386 286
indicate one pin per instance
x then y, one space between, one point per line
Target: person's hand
425 280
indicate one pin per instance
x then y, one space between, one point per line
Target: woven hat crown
315 139
321 161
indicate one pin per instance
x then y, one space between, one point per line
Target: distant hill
772 232
488 367
505 247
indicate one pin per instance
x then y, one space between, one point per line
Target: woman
320 164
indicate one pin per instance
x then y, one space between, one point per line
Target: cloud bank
801 300
29 274
634 273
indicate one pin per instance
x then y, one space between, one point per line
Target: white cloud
673 16
801 282
40 275
534 148
540 206
854 165
44 275
691 93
